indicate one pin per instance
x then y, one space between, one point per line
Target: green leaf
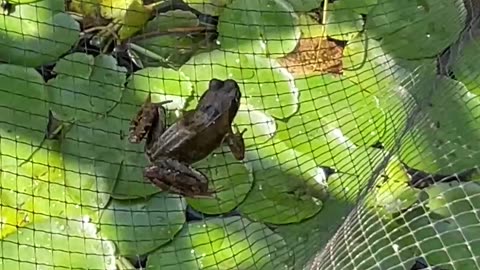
92 157
309 27
85 87
306 238
138 227
304 5
443 243
392 192
229 243
209 7
288 187
366 63
33 188
442 142
36 189
467 66
159 42
458 201
267 27
37 33
416 29
23 120
354 173
114 9
20 2
163 84
23 112
260 127
359 6
342 22
263 82
227 174
135 17
57 244
330 104
375 244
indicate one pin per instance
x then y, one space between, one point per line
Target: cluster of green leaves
88 184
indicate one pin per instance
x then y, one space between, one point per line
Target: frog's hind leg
142 123
177 177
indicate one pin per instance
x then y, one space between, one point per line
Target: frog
172 150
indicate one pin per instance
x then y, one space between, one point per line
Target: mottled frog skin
191 138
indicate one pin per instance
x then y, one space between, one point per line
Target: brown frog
191 138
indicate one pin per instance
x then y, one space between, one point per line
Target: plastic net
239 134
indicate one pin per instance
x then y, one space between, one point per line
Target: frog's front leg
236 143
174 176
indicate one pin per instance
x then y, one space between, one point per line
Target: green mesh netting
361 134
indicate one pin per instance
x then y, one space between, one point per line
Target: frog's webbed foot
236 143
174 176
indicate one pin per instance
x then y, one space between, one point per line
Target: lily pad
37 33
416 29
307 238
92 158
229 176
310 28
58 243
304 5
263 82
354 174
398 106
392 192
366 63
267 27
288 187
163 84
130 183
328 104
458 201
23 112
229 243
260 127
138 227
23 120
443 242
36 188
134 19
441 142
467 66
359 6
156 48
373 243
210 7
342 22
85 87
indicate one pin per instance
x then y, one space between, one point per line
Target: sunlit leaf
86 87
55 244
37 33
259 27
140 226
231 177
227 243
264 84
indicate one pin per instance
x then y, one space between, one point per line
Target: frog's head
227 90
